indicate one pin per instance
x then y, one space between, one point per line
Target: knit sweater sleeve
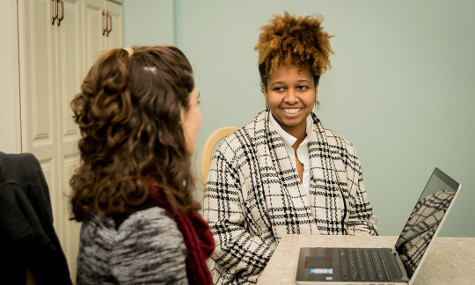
149 249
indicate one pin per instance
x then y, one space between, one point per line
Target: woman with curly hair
139 117
283 173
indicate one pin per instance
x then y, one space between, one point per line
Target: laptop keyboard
363 265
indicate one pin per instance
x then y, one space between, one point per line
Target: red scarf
197 236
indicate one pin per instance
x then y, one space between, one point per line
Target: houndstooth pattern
254 197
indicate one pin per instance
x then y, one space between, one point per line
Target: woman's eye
302 87
278 89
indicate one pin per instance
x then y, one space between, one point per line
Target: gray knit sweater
146 248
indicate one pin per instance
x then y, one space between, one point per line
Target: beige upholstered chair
208 148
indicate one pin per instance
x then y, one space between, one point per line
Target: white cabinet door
101 32
51 70
114 39
39 90
70 73
54 60
95 24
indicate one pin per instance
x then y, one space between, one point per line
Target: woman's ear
265 97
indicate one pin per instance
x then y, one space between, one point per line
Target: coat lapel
326 186
285 198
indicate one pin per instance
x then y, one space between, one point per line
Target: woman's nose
291 97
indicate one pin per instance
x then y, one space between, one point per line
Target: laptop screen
425 219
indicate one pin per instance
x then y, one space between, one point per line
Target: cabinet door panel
53 62
70 65
40 89
115 38
70 73
94 25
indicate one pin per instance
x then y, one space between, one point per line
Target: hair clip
130 51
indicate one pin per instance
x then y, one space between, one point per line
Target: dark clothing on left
27 235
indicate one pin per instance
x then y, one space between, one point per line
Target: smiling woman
283 173
290 95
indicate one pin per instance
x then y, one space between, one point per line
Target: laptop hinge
401 266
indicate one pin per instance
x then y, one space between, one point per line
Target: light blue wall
148 22
402 87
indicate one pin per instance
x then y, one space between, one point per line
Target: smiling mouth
292 111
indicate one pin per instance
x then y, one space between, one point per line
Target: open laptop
397 265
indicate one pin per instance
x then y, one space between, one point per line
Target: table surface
451 260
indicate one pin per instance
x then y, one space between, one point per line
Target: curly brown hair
290 40
129 117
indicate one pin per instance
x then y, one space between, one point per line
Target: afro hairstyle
290 40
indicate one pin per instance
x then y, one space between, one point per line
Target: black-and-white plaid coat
254 197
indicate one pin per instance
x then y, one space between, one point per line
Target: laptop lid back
425 221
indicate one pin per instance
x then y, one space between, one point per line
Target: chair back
208 148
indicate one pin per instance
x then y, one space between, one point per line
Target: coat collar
283 190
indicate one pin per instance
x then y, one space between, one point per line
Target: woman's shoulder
333 138
147 239
152 221
144 223
245 136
